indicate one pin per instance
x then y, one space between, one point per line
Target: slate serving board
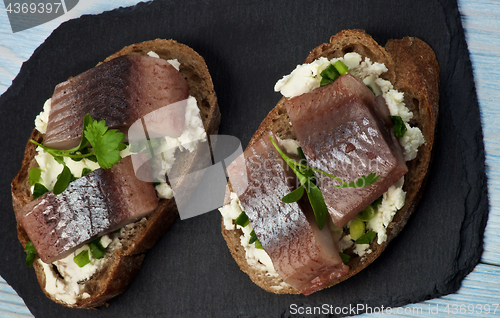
248 46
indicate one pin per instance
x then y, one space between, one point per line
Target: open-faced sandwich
337 167
85 215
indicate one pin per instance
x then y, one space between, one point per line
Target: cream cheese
255 257
67 284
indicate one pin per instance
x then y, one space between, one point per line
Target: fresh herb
305 174
363 181
97 249
105 143
63 180
367 214
34 176
332 72
356 228
38 190
399 126
294 196
82 259
86 171
258 245
366 238
345 258
242 219
253 237
30 253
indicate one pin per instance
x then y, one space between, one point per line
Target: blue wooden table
480 291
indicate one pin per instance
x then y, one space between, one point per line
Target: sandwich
89 198
337 167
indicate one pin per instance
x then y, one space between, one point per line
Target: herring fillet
304 256
100 202
119 91
344 131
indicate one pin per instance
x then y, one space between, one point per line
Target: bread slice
122 264
413 69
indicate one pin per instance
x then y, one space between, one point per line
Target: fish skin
304 256
341 131
98 203
119 91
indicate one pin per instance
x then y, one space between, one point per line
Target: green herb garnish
356 228
332 72
399 126
363 181
242 219
63 180
97 249
345 258
254 239
39 190
305 174
86 171
366 238
34 176
367 214
82 259
30 253
105 144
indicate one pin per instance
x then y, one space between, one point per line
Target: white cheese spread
67 284
256 257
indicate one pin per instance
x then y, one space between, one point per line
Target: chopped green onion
97 249
328 75
345 258
356 229
399 126
30 253
253 237
82 259
242 219
341 67
258 245
39 190
367 214
34 176
366 238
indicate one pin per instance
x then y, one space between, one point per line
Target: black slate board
248 46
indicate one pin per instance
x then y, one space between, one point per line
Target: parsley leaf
399 126
106 143
63 180
30 253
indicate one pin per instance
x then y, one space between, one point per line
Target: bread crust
123 264
414 70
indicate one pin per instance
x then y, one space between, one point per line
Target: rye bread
123 263
413 69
